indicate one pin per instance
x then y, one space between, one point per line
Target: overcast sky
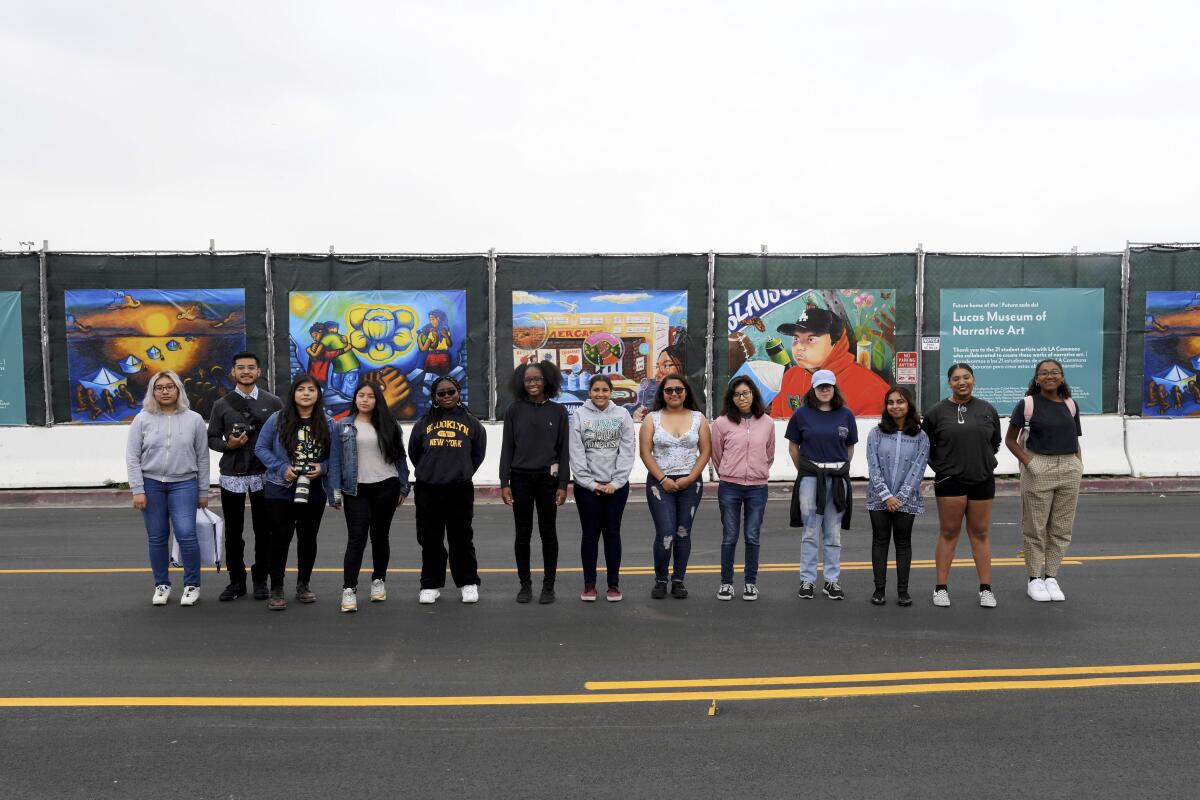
614 126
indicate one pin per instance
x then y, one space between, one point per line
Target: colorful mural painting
118 338
1172 355
780 337
401 340
635 337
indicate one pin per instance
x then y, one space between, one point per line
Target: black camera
238 429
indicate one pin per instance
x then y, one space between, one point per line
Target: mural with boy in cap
780 337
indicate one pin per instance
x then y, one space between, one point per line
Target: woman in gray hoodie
166 456
602 446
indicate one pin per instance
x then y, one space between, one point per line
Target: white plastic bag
210 534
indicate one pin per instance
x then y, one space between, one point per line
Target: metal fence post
44 314
709 344
269 283
1121 366
920 253
492 386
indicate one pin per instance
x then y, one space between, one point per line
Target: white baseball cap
824 377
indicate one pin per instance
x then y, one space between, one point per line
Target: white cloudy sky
552 126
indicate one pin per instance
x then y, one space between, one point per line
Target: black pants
303 520
369 514
446 510
535 490
233 508
885 526
600 516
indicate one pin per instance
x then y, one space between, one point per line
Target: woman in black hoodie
447 445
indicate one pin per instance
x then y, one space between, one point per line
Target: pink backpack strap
1071 407
1027 407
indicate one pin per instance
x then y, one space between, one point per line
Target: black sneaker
877 599
260 590
902 599
678 590
526 593
659 591
833 591
806 591
547 595
233 591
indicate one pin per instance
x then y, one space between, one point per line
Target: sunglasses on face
446 392
674 390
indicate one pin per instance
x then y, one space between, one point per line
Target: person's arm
770 454
912 481
646 450
200 443
478 446
562 452
402 465
625 455
335 443
794 453
702 460
579 464
875 471
718 443
1014 447
263 446
995 431
416 444
506 453
794 435
216 429
133 463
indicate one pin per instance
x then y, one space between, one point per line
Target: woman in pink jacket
743 447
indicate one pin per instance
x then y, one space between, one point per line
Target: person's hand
314 471
506 496
400 502
139 502
290 475
234 442
683 483
894 504
202 501
604 488
639 414
670 485
560 497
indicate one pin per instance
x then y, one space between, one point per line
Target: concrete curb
1005 487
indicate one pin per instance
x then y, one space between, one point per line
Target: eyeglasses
742 395
246 368
446 392
168 388
1053 373
673 390
535 380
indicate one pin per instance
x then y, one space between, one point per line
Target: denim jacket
345 441
895 466
276 459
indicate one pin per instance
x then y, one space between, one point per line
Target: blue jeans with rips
172 507
673 513
740 504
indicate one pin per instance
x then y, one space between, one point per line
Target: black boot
233 591
526 593
547 595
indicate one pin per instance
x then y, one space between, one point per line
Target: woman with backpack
1044 434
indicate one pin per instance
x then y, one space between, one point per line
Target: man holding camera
233 428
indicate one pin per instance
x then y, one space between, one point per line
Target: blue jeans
735 501
828 525
673 513
172 507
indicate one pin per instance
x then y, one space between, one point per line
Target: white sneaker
1037 590
725 592
941 598
470 593
378 591
428 596
987 599
190 595
349 600
162 593
1054 590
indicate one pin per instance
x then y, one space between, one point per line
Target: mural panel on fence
636 337
780 337
1003 333
402 340
1172 355
118 338
12 361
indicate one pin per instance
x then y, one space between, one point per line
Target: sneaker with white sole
349 600
806 590
1037 591
725 592
190 595
941 598
162 593
750 592
428 596
378 591
1056 592
987 599
470 593
833 591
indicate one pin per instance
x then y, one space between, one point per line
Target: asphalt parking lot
1097 696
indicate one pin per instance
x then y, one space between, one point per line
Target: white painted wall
93 455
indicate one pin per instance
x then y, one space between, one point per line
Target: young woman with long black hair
295 446
897 453
447 446
371 481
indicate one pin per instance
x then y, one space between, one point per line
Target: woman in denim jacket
897 452
371 482
301 432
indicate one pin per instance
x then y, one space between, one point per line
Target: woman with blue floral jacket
897 453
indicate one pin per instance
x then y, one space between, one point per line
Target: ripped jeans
673 513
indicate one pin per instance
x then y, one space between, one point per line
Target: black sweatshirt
966 451
535 437
446 447
232 408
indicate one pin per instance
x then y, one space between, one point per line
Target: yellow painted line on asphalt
700 569
874 677
592 699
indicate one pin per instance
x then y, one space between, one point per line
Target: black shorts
949 486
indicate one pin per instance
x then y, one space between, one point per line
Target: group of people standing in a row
291 459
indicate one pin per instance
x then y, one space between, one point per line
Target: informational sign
401 340
117 339
635 337
12 361
931 343
780 337
1172 355
1003 333
906 367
